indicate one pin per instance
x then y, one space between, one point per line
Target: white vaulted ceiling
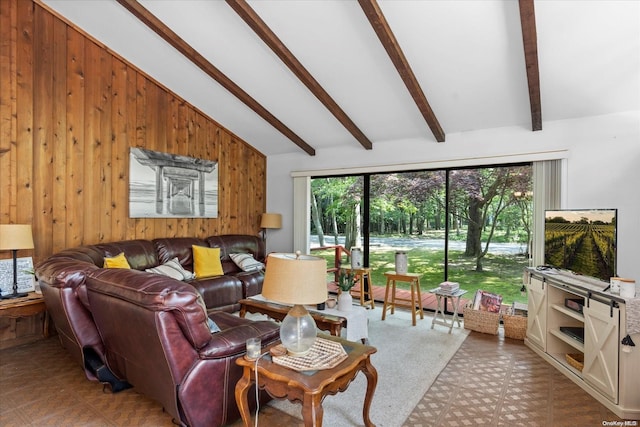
467 56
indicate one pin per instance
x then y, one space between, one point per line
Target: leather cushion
141 254
156 293
177 247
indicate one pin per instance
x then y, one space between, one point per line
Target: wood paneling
70 110
7 107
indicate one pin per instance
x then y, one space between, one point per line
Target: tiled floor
495 381
490 381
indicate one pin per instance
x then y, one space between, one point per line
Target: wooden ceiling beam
383 30
183 47
253 20
530 41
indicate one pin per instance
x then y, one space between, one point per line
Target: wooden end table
305 388
414 303
27 306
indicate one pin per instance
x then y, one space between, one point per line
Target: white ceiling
467 55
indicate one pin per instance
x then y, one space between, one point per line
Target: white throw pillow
213 327
246 262
172 268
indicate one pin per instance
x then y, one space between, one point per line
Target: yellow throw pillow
118 261
206 262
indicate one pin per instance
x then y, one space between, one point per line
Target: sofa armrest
232 341
251 282
63 272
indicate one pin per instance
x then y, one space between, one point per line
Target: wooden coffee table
306 388
324 322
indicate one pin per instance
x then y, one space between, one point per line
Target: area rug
408 360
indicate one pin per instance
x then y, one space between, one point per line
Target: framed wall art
163 185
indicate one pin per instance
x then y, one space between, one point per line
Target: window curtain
548 191
301 213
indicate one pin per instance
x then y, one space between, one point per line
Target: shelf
571 313
567 339
560 358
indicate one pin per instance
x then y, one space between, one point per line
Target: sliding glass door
407 214
336 211
489 229
471 225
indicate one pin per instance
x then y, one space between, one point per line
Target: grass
502 274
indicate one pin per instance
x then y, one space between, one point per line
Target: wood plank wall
69 112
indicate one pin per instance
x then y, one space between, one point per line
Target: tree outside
472 226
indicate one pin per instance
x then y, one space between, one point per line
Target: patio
428 299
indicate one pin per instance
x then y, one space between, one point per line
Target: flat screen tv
582 241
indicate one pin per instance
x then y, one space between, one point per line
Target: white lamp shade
295 279
271 220
15 236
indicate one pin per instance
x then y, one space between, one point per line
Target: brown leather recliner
62 278
157 337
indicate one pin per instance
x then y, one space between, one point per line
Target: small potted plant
34 279
346 281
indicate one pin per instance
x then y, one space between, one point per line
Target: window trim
470 162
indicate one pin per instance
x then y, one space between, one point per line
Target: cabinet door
537 315
601 343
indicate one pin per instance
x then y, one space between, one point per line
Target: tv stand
610 370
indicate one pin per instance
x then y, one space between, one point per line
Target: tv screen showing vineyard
583 241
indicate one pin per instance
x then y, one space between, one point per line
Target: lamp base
298 331
14 295
294 353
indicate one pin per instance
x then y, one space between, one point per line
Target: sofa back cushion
177 247
140 254
236 244
89 253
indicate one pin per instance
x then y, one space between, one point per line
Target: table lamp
12 238
270 220
296 279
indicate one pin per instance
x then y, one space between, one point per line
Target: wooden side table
324 322
305 387
415 302
27 306
361 273
355 321
440 309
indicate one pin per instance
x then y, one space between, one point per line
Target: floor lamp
14 237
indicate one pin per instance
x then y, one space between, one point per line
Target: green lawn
502 274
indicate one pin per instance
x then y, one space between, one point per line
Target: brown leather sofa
63 279
168 352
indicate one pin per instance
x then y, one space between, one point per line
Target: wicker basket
481 321
576 360
515 326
